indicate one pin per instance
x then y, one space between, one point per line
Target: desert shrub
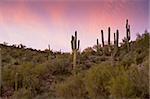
127 60
59 66
22 94
8 75
140 79
97 81
46 95
121 85
72 88
30 76
130 83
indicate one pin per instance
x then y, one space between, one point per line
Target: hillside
99 73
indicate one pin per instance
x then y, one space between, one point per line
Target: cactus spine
75 44
127 34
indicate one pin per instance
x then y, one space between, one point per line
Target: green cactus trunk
116 41
16 81
75 44
74 58
128 35
116 45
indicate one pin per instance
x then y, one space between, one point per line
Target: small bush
72 88
22 94
97 81
121 86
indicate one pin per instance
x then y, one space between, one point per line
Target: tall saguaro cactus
75 44
109 47
108 35
102 35
127 34
116 39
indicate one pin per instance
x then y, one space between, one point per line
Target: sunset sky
37 23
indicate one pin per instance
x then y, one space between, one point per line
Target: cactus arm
72 43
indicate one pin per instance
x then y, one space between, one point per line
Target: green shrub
97 81
121 86
59 66
22 94
72 88
8 76
140 79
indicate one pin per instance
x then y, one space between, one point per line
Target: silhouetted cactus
102 35
75 44
108 35
127 35
116 38
109 46
97 45
49 53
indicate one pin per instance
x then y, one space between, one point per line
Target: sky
37 23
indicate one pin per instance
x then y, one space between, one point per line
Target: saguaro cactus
109 47
75 44
108 35
116 38
102 35
127 34
97 45
49 53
